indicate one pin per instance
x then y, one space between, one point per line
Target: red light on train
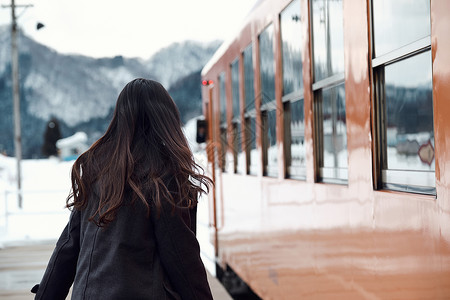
207 82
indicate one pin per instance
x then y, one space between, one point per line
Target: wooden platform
22 266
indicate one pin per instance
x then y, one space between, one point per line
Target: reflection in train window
328 38
269 126
267 65
248 79
223 100
399 23
329 91
408 154
294 126
268 107
334 133
251 153
404 97
409 111
235 88
250 144
291 39
239 155
223 121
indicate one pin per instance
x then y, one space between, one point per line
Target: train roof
226 44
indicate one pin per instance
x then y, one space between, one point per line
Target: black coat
133 257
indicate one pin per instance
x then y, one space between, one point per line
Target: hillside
81 91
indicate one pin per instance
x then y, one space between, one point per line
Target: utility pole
16 97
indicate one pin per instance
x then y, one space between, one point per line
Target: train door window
223 121
402 69
329 91
250 113
239 155
268 102
252 154
294 117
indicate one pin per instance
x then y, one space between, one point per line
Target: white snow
45 186
72 146
79 137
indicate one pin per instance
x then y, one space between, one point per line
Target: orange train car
328 125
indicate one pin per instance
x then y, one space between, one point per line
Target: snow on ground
45 186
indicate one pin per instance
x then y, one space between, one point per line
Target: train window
267 65
291 40
295 137
223 121
291 43
252 154
329 91
268 107
399 23
269 125
402 69
239 155
250 113
334 133
249 86
235 88
223 100
328 38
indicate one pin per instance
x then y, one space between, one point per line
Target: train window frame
251 164
289 99
333 80
238 153
267 107
410 181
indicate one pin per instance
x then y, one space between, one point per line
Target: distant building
71 147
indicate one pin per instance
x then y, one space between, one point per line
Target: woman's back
123 260
132 229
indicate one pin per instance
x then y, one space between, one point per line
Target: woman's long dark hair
143 147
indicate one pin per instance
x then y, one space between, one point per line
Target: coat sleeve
180 252
60 272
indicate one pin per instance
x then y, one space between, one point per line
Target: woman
131 234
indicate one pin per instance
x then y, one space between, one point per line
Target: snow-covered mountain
179 60
73 88
79 91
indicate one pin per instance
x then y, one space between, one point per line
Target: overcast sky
132 28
